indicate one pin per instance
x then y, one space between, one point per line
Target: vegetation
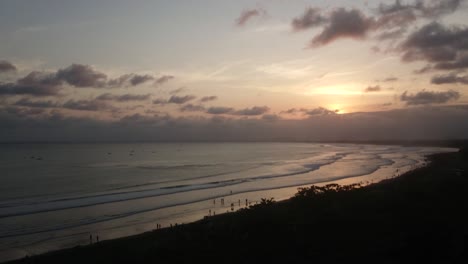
419 217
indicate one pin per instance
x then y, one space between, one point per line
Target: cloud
310 112
76 75
208 98
461 62
320 111
219 110
343 24
124 97
413 123
6 66
180 99
247 15
389 22
428 97
449 78
86 105
271 117
39 104
389 79
163 79
176 91
370 89
254 111
129 79
423 70
192 108
34 84
434 9
139 79
426 9
435 42
418 123
160 101
79 75
312 17
293 111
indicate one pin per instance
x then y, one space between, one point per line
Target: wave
88 221
92 200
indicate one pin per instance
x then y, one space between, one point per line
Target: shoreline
157 235
194 215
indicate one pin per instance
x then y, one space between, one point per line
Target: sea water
55 196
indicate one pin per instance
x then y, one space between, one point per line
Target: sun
338 108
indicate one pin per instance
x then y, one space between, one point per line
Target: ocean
55 196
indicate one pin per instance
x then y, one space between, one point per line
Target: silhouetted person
90 239
97 239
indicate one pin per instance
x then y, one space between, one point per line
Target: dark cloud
86 105
247 15
176 91
192 108
209 98
35 84
421 123
180 99
370 89
450 78
320 111
40 104
310 112
393 19
271 117
390 22
343 24
423 70
293 111
160 101
389 79
124 97
397 6
219 110
428 97
434 9
80 75
129 79
254 111
6 66
139 79
312 17
22 112
76 75
420 8
461 62
163 79
120 81
435 42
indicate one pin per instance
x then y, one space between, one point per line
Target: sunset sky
296 70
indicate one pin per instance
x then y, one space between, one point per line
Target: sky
233 70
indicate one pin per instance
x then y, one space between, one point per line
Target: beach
418 215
